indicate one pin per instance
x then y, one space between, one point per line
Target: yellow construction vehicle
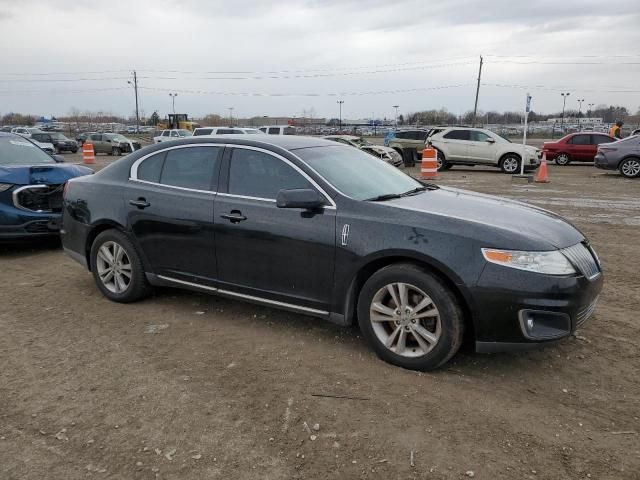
175 121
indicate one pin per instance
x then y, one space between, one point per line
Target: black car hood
515 218
42 174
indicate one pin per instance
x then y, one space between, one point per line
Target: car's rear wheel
410 317
116 152
117 268
562 159
510 163
630 167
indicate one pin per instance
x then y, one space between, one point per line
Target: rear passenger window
580 140
149 170
190 167
224 131
598 139
203 131
274 131
458 135
258 174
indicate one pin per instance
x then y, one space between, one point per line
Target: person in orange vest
616 130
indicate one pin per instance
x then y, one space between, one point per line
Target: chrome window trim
133 173
246 297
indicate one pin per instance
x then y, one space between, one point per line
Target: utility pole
173 102
396 107
340 102
135 89
580 100
475 108
564 103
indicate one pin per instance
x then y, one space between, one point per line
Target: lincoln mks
326 230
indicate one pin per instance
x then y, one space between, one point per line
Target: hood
45 174
518 224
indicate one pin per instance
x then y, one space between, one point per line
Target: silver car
623 155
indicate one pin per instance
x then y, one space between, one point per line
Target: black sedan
322 229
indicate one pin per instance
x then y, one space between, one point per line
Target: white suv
478 146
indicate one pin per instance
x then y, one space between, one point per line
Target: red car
579 147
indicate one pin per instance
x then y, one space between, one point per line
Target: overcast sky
287 56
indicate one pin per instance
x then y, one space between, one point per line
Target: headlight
550 263
5 186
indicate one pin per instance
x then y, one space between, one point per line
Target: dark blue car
31 187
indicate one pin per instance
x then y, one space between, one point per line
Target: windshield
502 138
58 136
18 151
117 137
184 133
355 173
361 142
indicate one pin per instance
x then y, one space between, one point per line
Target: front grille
584 314
137 146
39 198
582 258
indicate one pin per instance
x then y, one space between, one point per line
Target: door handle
234 217
140 203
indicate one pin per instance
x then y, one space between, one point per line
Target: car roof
287 142
346 137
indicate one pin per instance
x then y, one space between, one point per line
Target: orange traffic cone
429 167
88 155
543 175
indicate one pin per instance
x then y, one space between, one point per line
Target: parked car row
387 154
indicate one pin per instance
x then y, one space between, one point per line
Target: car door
456 145
481 148
581 148
275 254
170 202
95 139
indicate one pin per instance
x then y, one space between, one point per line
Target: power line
60 92
563 88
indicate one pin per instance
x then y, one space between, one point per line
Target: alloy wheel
630 168
510 164
114 267
562 159
405 320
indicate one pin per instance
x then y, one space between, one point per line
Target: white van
278 130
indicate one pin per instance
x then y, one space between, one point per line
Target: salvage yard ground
189 386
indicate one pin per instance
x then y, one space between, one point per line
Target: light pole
580 100
340 102
173 101
564 104
396 107
231 116
591 105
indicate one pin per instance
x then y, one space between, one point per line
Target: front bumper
41 227
505 299
67 147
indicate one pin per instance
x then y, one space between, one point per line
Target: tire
630 167
116 152
132 290
562 159
442 162
510 163
444 327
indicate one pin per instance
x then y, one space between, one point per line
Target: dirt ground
190 386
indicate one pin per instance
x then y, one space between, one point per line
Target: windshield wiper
413 191
382 198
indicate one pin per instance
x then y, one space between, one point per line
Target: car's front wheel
562 159
510 163
117 268
410 317
116 152
630 167
442 162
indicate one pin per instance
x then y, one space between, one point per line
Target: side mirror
490 140
306 198
58 158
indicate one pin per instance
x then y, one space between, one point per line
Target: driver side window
258 174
